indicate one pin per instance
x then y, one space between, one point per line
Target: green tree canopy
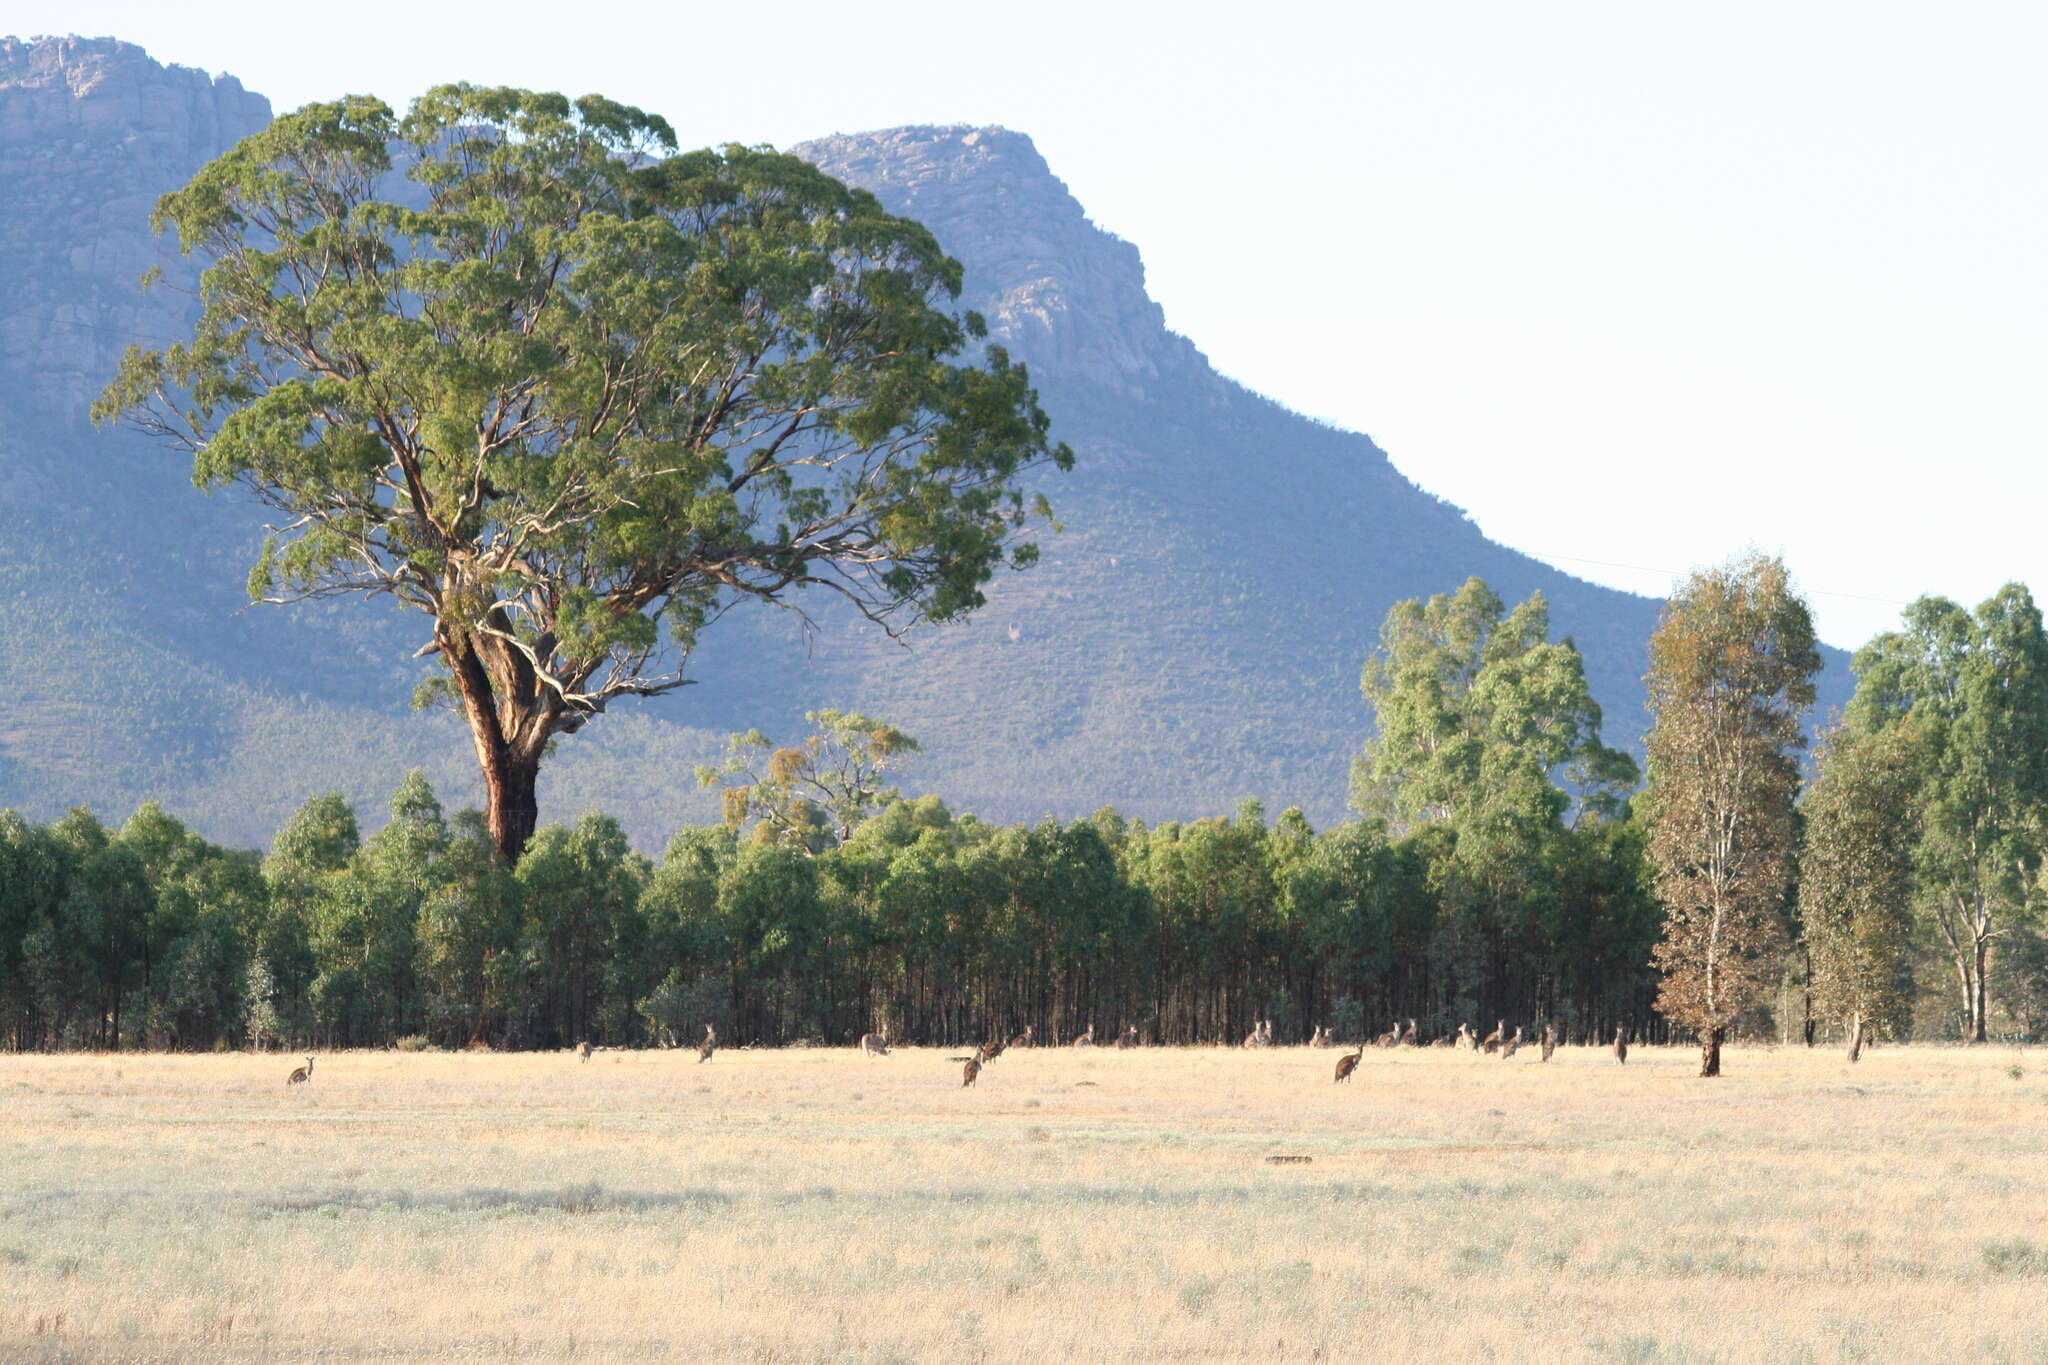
1863 816
1973 688
816 793
572 395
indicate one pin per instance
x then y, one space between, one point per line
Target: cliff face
91 132
1056 290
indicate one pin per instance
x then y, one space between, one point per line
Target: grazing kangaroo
708 1046
875 1044
1492 1040
1128 1038
1087 1039
1549 1041
300 1075
969 1072
583 1052
1621 1046
1348 1063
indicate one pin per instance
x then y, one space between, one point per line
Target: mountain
1192 635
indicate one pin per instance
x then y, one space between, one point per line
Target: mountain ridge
1194 634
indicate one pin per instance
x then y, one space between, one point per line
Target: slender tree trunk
1856 1038
1710 1052
1979 966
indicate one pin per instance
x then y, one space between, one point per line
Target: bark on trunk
510 808
1981 965
1710 1053
1856 1039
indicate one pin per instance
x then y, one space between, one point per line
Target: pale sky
1636 284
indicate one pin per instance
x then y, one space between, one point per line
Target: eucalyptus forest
1504 864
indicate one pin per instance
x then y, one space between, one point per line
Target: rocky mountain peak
1058 291
92 131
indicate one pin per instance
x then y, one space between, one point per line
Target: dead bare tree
1621 1045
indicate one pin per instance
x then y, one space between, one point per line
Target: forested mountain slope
1193 635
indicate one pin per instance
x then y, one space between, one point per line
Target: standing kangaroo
709 1045
1621 1046
1087 1039
1128 1038
300 1075
583 1051
875 1044
1348 1063
1549 1041
969 1072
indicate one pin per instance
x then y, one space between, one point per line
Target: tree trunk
1710 1052
1980 966
1856 1039
510 808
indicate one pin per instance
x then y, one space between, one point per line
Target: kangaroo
1408 1038
1492 1040
969 1072
1128 1038
300 1075
875 1044
1509 1048
1348 1063
708 1046
1023 1039
1087 1039
1467 1039
1549 1041
583 1051
1621 1046
991 1049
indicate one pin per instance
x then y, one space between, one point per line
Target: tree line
1504 863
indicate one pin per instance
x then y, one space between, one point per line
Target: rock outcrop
1058 291
92 131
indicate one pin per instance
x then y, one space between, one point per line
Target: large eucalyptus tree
1731 676
572 395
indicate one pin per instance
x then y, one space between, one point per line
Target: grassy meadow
814 1205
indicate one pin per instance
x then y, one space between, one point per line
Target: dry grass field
820 1206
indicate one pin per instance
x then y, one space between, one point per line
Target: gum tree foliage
571 396
1973 688
1862 823
1731 676
1486 735
816 793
